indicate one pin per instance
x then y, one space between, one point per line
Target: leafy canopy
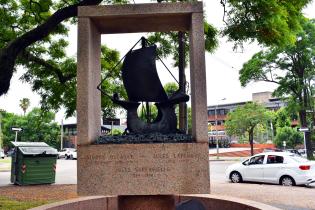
245 118
37 125
270 22
291 136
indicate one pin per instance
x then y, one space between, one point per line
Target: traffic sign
16 129
303 129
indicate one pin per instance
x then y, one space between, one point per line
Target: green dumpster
33 163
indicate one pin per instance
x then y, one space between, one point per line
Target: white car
2 154
67 153
72 155
273 167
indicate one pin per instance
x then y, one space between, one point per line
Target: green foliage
117 132
245 118
292 67
170 88
291 136
55 94
49 71
142 112
270 22
24 104
168 43
282 118
37 125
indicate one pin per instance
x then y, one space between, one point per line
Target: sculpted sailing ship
142 84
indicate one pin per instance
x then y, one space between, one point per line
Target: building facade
217 115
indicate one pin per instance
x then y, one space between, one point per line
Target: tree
291 136
33 35
293 69
37 125
24 104
271 23
244 119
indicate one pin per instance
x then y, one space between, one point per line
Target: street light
16 130
216 127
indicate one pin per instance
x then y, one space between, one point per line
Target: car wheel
287 181
235 177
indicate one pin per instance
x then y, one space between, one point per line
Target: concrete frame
96 20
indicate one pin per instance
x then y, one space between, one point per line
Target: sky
222 66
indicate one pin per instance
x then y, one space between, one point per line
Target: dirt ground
39 192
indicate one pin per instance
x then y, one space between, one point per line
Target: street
289 198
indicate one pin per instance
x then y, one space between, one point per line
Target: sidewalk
5 165
231 154
214 158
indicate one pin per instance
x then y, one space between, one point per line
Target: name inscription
143 165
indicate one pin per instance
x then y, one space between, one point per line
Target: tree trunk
182 81
251 141
308 143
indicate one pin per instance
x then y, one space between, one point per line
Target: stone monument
138 171
142 176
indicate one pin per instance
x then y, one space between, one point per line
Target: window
257 160
211 112
272 159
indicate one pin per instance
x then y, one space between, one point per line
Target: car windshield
298 159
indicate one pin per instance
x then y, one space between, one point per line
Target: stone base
143 169
210 202
145 202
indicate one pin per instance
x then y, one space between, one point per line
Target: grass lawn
11 204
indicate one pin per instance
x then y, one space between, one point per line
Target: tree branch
9 54
49 67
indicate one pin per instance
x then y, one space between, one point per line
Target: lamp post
216 127
16 130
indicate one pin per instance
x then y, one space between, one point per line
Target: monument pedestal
143 169
145 202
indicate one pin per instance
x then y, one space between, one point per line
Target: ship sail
140 76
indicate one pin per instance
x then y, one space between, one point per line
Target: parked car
66 153
72 155
294 151
303 152
272 150
282 168
2 153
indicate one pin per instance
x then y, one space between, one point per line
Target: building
217 115
70 131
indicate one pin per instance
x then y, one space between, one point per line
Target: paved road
288 198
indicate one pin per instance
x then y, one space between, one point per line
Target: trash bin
33 163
